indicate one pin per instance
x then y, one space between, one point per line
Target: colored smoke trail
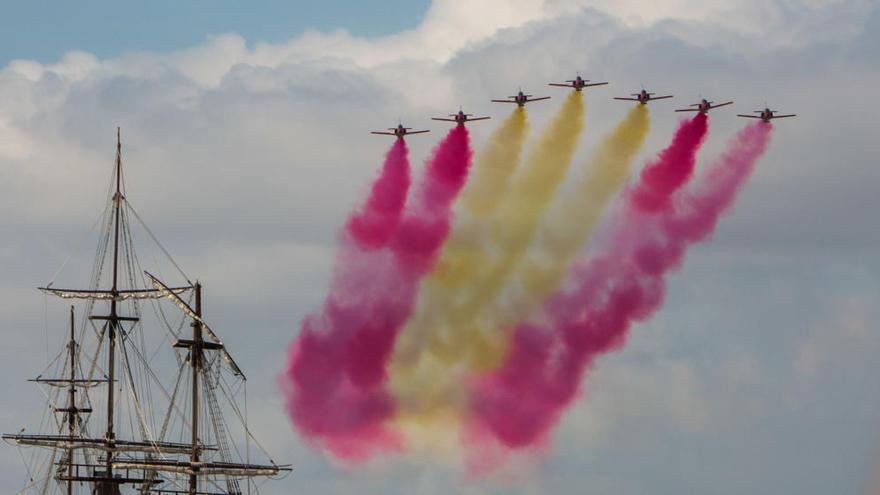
672 168
518 404
423 375
463 250
513 228
495 165
372 225
571 219
485 190
334 380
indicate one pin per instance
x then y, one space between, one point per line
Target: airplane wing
479 118
539 99
445 120
503 101
660 97
417 132
688 110
721 104
596 84
561 85
625 99
383 133
749 116
784 116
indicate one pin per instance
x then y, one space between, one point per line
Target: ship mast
196 361
114 317
72 413
71 399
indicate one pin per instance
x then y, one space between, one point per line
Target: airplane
703 106
460 117
521 99
577 83
766 115
642 97
400 131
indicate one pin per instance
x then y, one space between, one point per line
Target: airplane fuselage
767 115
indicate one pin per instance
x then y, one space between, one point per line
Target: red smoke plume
336 367
372 225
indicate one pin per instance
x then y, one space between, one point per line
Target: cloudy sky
245 141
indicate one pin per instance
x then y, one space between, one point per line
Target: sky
245 142
45 31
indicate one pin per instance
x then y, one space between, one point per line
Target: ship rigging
125 417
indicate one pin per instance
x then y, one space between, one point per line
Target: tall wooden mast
114 319
196 362
71 400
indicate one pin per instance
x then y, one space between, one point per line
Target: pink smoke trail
518 404
334 380
372 225
672 167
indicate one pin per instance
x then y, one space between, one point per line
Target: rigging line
155 378
30 484
247 440
91 373
164 391
131 263
146 434
103 243
97 355
159 244
70 255
46 322
54 362
159 310
27 466
48 471
165 422
168 415
219 428
243 421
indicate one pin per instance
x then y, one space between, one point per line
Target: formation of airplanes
578 84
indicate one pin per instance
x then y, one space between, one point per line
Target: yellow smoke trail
512 230
565 228
495 165
427 383
572 218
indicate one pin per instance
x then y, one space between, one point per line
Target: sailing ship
124 417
